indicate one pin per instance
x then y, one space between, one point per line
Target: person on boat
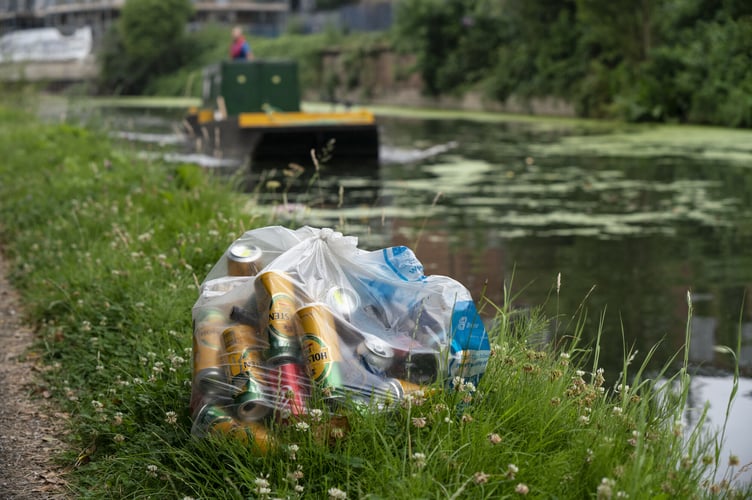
240 49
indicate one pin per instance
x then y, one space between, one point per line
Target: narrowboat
254 108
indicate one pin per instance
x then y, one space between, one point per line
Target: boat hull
288 142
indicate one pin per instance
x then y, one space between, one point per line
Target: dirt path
30 429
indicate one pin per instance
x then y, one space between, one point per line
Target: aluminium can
216 420
209 418
250 402
343 301
245 369
291 387
243 259
376 355
281 304
394 390
321 349
208 375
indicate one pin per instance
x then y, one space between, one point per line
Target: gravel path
30 428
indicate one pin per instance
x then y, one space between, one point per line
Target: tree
148 40
454 40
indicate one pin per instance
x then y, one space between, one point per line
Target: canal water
622 224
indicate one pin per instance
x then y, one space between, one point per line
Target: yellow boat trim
205 115
286 119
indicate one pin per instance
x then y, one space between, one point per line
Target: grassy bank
107 251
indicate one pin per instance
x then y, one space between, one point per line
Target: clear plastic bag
289 320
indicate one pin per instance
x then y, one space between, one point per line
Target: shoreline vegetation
107 250
682 61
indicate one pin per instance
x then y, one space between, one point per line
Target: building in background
263 17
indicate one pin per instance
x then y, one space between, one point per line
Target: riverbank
108 250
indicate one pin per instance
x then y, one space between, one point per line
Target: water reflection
715 392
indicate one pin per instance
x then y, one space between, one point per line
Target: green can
250 402
208 418
246 371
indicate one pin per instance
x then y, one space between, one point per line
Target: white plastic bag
290 320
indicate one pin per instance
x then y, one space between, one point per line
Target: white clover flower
337 433
297 474
604 491
337 494
177 360
522 489
171 417
480 477
151 470
302 426
419 422
316 414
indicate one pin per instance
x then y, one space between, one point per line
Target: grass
107 251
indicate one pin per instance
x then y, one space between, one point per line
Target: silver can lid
244 252
343 300
379 348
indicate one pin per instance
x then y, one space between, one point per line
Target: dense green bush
148 40
664 60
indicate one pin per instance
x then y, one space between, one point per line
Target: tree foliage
148 40
657 60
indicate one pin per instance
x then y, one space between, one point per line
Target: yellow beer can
208 374
278 293
321 349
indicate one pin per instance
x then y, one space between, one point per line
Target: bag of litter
291 320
